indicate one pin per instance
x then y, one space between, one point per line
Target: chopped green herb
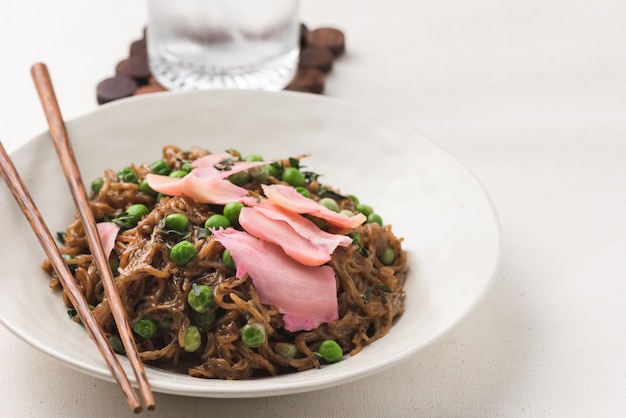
224 165
72 267
202 233
61 237
132 216
356 237
310 176
96 185
116 345
294 162
384 288
332 194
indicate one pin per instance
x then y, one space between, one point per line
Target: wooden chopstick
64 150
30 210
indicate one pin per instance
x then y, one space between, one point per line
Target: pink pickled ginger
297 236
107 231
305 295
280 233
221 165
207 182
199 189
288 198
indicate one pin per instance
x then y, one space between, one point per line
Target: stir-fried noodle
369 287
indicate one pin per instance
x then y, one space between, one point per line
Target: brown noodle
370 294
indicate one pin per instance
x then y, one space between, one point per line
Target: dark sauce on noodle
370 294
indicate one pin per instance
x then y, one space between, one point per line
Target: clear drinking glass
206 44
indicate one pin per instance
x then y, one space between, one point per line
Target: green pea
216 221
228 260
259 174
203 320
240 178
253 335
176 221
293 176
303 191
127 175
253 157
200 298
232 211
346 212
137 210
287 350
330 351
364 209
354 199
144 187
193 339
329 203
96 185
374 218
161 167
179 174
164 323
182 253
388 256
132 216
145 328
272 170
186 166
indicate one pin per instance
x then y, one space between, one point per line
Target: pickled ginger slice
305 295
221 165
282 234
288 198
207 182
107 231
306 228
199 189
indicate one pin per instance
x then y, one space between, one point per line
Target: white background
530 95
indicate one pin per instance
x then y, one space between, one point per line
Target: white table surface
530 95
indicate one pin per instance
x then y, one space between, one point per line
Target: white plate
434 202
